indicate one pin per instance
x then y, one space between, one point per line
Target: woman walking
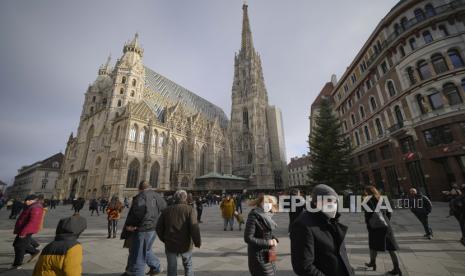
113 210
258 235
380 234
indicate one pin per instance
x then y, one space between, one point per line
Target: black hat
74 225
31 197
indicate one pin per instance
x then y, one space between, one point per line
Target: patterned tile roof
161 86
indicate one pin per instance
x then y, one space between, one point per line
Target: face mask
330 209
267 207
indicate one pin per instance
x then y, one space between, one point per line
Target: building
401 100
138 125
257 136
38 178
325 93
3 186
299 169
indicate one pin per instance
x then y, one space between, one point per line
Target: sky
50 51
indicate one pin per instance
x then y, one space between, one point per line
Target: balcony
394 128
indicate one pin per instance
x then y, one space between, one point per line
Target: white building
299 168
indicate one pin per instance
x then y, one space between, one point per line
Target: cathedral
138 125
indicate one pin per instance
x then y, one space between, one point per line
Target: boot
395 271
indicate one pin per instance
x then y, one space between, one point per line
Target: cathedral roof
175 93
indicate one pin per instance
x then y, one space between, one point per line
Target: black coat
145 210
380 239
257 235
317 246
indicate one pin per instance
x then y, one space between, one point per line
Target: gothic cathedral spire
247 42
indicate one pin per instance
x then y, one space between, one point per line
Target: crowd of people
317 238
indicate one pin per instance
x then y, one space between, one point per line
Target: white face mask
267 207
330 209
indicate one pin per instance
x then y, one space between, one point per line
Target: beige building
401 100
138 125
299 168
39 178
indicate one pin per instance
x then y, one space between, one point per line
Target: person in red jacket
28 223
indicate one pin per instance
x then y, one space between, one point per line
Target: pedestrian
53 204
295 210
93 207
78 204
228 207
63 256
126 202
103 204
421 207
199 206
16 208
179 230
142 218
113 211
457 209
258 234
27 224
239 203
380 235
317 237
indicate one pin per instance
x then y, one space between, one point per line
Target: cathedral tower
250 130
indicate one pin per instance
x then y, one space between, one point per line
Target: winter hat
31 197
73 225
322 190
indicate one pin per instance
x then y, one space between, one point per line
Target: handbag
272 256
377 221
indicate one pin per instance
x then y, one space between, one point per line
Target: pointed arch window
202 164
182 158
142 136
133 174
154 172
439 63
121 91
455 58
133 93
133 134
452 94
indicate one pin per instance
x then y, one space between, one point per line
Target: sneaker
154 272
33 256
16 267
429 237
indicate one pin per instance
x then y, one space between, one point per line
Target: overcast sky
51 50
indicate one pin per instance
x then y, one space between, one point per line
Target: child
63 256
239 218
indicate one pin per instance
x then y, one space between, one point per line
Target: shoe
15 267
224 229
154 272
33 256
395 271
371 264
108 237
429 237
231 229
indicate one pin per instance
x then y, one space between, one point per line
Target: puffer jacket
57 259
30 220
227 208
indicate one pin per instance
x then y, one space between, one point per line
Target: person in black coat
317 238
298 209
380 239
421 207
258 234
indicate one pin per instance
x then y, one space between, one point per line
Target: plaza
225 253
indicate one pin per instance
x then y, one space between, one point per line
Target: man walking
28 223
421 207
179 230
141 220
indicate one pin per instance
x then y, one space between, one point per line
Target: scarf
266 218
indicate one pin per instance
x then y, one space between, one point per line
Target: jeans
22 246
112 225
172 259
423 218
239 208
229 221
141 253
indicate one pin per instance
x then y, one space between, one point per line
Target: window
91 109
452 94
397 28
349 102
379 127
411 75
373 103
372 156
358 94
345 125
436 101
407 145
430 10
354 78
368 84
443 30
119 103
132 134
413 44
357 138
352 116
123 80
386 152
438 136
399 116
132 93
121 91
154 171
362 112
455 58
93 99
419 15
133 174
423 70
404 23
245 118
391 89
402 51
421 103
346 88
384 67
367 133
427 37
142 136
104 101
439 64
134 82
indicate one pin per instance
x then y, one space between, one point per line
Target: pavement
225 253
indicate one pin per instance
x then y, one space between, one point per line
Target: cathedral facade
138 125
